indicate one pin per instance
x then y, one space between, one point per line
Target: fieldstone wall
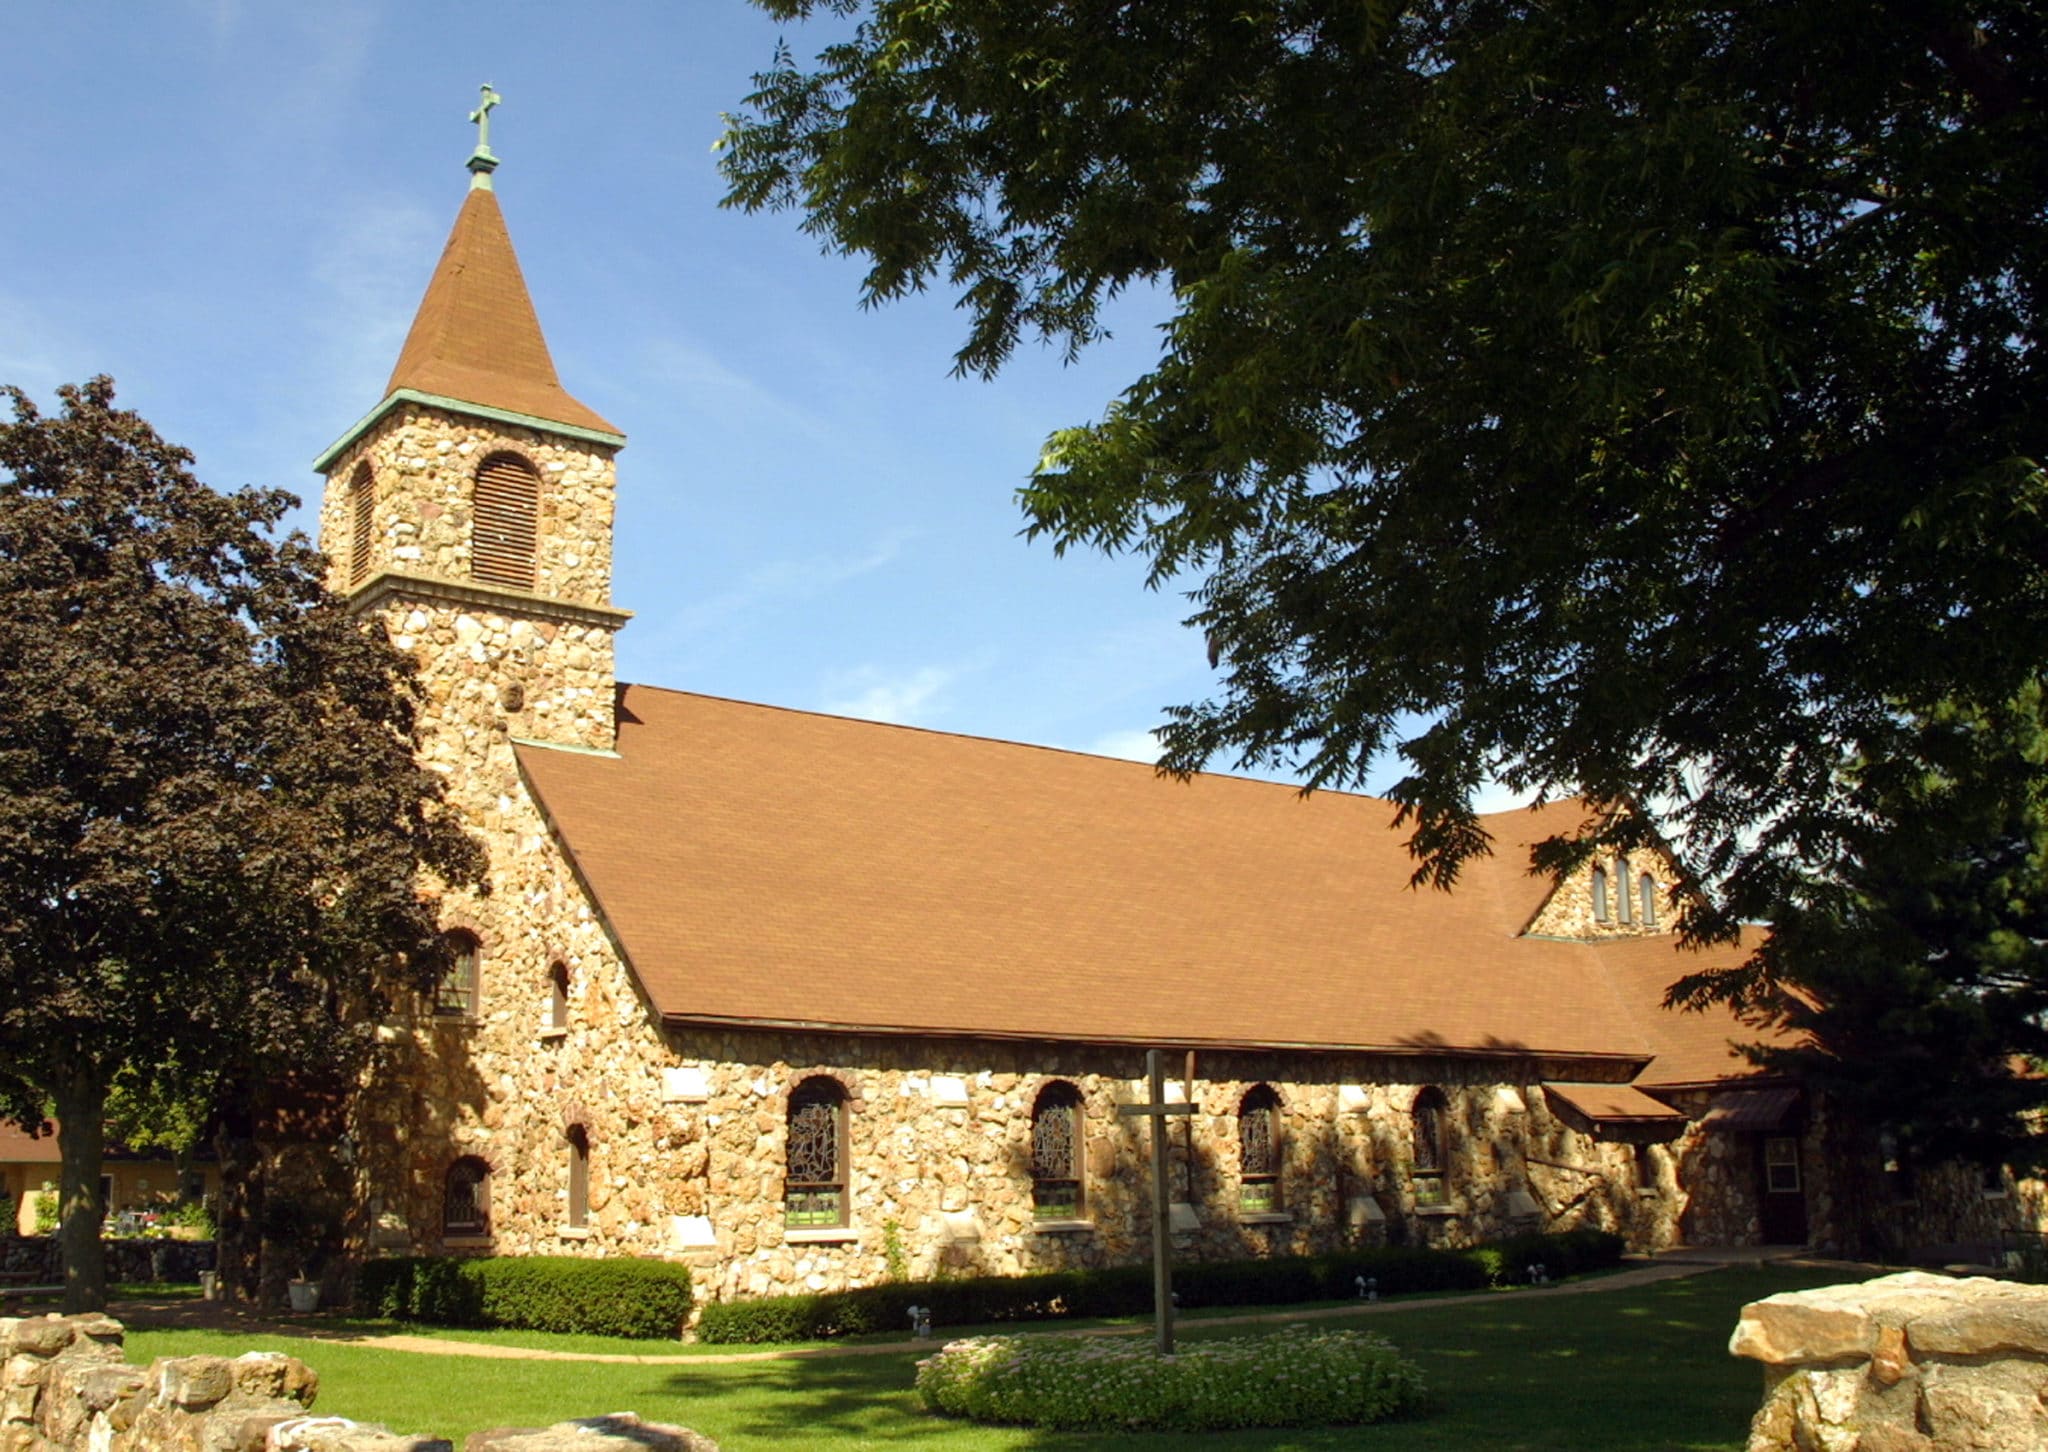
1568 911
65 1383
424 462
1905 1363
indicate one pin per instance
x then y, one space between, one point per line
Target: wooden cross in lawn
1156 1109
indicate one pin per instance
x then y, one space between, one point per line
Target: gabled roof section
476 338
771 867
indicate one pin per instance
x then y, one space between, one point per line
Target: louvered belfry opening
505 526
362 499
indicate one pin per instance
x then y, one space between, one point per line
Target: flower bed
1296 1378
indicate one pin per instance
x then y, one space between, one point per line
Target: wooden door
1780 1190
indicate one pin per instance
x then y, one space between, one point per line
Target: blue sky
232 207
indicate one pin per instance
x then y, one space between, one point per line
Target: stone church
808 1001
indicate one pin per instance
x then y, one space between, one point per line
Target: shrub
647 1299
1297 1378
1127 1290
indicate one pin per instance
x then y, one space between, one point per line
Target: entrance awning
1614 1111
1753 1111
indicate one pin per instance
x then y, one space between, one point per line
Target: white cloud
1129 746
902 699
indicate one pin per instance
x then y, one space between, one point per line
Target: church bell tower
472 510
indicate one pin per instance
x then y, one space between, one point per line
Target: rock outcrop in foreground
1906 1363
66 1383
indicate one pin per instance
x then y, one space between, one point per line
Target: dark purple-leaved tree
212 825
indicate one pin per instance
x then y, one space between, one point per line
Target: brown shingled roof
476 338
771 866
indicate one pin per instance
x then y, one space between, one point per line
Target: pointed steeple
476 338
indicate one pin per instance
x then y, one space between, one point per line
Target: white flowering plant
1294 1378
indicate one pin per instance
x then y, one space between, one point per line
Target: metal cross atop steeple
481 162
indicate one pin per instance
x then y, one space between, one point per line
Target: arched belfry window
1430 1120
1647 909
1258 1151
814 1166
1599 894
466 1201
1057 1191
362 509
505 522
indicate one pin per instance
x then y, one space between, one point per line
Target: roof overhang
1614 1111
1755 1111
400 396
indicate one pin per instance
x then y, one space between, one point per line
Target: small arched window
456 996
1057 1190
504 525
1621 887
1258 1151
814 1170
1599 894
558 995
466 1201
1646 910
362 504
579 1176
1430 1122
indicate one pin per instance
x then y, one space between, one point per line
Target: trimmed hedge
1296 1378
648 1299
1127 1290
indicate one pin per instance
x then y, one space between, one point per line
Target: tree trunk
81 1104
241 1197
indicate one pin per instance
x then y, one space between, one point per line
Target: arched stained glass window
1258 1151
1057 1189
1647 908
1599 894
814 1170
504 527
466 1200
1430 1121
1621 887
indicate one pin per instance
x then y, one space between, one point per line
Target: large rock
1905 1363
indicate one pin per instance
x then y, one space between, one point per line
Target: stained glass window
1648 885
814 1180
1431 1120
1599 894
466 1205
1056 1153
456 995
1258 1150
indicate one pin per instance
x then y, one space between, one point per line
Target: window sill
550 1034
573 1232
1994 1194
465 1242
1062 1227
1644 1192
820 1235
1264 1217
1436 1212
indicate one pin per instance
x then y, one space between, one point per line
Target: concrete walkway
213 1316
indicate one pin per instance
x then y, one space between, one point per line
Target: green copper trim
455 405
481 162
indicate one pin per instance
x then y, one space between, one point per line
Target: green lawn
1643 1370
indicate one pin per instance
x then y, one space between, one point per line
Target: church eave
1631 1064
473 410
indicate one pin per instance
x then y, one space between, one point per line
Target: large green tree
1642 399
211 822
